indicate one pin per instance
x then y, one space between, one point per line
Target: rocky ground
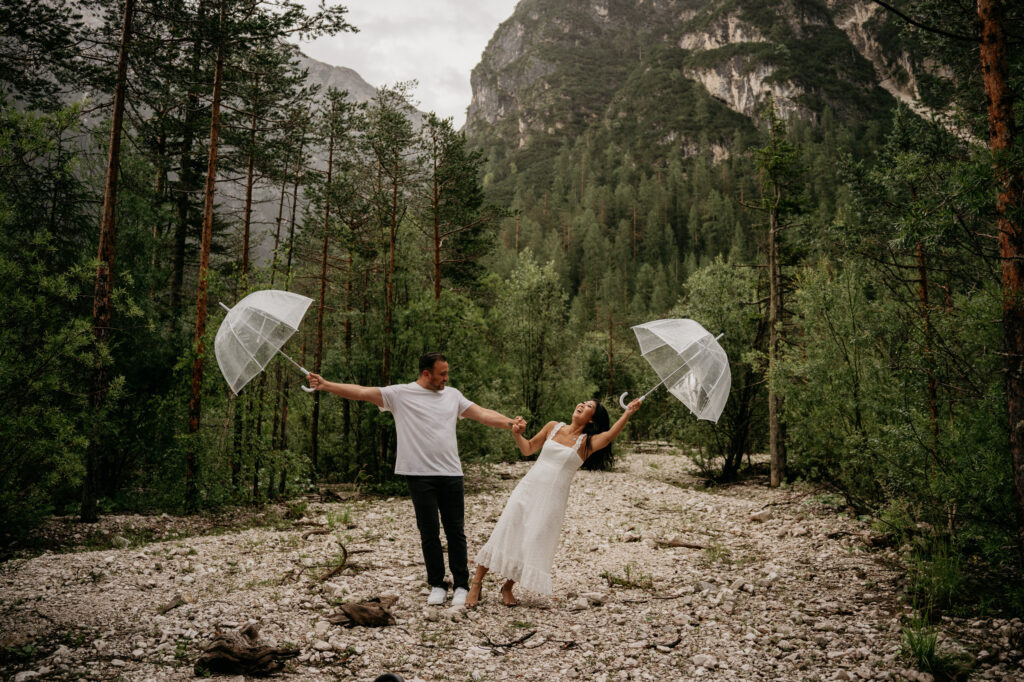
657 578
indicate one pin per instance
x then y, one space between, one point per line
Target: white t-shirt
425 421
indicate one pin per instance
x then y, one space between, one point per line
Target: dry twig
507 645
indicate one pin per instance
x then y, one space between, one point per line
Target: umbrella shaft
297 365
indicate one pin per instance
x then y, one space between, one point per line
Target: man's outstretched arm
351 391
488 417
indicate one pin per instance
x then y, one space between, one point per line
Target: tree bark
104 284
247 216
195 404
345 407
776 434
1009 192
318 361
436 211
929 358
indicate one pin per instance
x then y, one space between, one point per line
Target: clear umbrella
691 363
253 332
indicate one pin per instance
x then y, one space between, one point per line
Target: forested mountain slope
667 79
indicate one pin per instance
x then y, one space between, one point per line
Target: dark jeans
433 496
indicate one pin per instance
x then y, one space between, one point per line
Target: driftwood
679 543
238 652
173 604
372 613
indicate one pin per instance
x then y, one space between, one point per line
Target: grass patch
919 645
632 578
715 553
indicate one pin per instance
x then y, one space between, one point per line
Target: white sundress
523 544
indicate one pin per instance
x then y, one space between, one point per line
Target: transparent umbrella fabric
690 362
254 331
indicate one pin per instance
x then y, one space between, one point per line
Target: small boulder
703 660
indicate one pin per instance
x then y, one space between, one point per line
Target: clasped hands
518 425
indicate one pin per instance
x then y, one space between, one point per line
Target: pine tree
780 182
103 290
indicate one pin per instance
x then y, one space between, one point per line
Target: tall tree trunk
277 230
257 448
283 445
345 407
318 361
195 404
104 284
237 444
160 191
776 435
929 358
436 211
389 300
187 181
1010 190
247 215
611 355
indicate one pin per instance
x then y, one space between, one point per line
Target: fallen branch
337 569
679 543
507 645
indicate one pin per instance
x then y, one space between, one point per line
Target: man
426 412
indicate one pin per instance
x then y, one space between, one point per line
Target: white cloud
435 42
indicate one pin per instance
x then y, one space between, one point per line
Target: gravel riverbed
656 578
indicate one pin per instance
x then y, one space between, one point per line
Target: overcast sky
435 42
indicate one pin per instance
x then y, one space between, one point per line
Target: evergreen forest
161 157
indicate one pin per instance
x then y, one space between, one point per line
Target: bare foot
473 598
506 595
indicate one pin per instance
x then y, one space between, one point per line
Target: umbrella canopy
254 331
690 362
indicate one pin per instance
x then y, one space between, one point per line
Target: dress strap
579 442
555 430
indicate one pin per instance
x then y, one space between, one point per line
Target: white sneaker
459 598
437 596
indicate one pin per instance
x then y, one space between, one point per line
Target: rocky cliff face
339 77
557 69
860 20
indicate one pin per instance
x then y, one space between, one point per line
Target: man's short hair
428 360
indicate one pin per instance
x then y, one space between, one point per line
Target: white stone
703 660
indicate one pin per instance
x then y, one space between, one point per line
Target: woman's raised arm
528 447
600 440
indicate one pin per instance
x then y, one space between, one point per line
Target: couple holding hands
523 543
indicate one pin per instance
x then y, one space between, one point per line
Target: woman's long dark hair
599 423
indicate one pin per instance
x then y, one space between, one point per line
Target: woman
523 543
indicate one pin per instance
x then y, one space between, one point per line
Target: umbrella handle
305 388
622 400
